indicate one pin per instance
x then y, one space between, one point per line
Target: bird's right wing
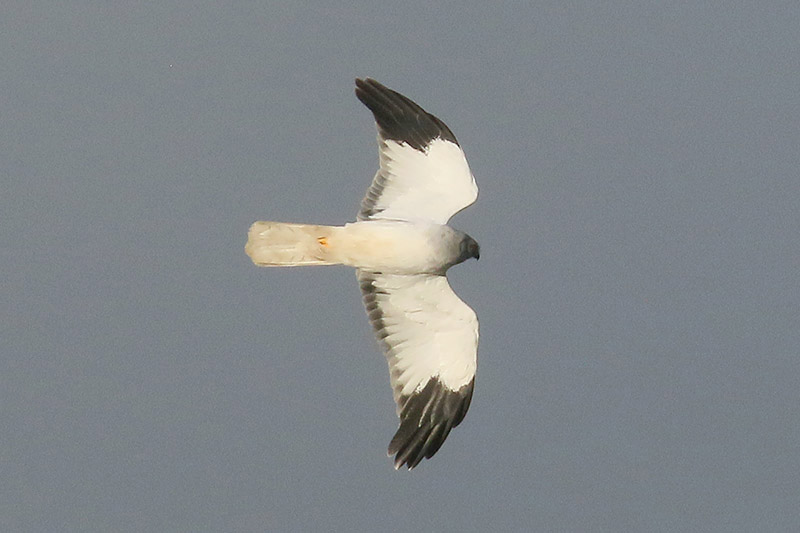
423 172
430 338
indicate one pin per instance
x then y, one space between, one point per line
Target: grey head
468 247
455 246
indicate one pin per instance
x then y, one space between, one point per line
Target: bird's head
469 248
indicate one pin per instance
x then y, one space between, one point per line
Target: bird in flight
401 248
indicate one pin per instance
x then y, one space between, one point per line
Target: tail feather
282 244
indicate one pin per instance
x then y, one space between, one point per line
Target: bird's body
401 248
388 246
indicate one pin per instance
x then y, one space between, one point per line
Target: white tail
282 244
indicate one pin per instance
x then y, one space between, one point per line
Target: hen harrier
401 247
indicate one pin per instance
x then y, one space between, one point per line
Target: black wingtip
426 420
399 118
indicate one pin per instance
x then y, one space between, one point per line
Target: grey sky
639 222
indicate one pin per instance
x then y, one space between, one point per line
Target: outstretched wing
430 338
423 172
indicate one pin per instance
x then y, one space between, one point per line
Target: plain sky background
639 221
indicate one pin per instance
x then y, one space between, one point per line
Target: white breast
392 246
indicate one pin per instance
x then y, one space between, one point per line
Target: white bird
401 247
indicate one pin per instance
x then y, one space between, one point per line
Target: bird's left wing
430 338
423 172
